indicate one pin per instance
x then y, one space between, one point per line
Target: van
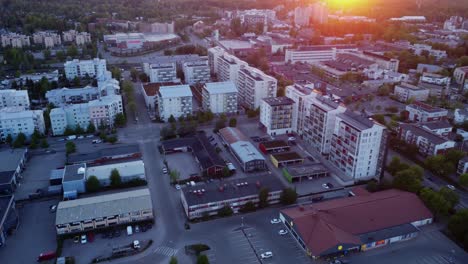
72 137
46 256
129 230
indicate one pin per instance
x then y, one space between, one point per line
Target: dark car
310 158
330 185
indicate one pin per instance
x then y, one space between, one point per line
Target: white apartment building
161 72
229 67
93 68
80 38
461 77
15 120
220 97
358 146
15 40
196 72
406 91
47 39
253 85
318 53
418 49
213 54
174 101
302 16
434 78
299 94
276 115
14 98
104 110
320 121
420 112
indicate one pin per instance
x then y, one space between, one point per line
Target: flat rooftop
287 156
152 89
220 87
306 169
278 101
10 159
74 172
274 144
175 91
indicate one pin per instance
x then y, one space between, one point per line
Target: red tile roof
325 225
232 135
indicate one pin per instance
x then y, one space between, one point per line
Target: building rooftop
220 87
274 144
428 68
233 44
103 154
325 47
357 121
306 169
175 91
377 56
419 131
287 156
103 206
464 69
5 203
152 89
246 151
232 135
74 172
410 86
437 125
277 101
131 168
425 107
11 158
230 189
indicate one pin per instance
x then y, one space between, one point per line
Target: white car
451 187
96 141
275 221
283 232
164 170
80 137
291 138
325 186
266 255
83 239
177 186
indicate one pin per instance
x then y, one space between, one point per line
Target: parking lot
184 163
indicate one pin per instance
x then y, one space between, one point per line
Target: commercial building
14 98
358 146
434 78
220 97
161 28
420 112
253 85
15 40
386 63
429 143
107 155
47 38
207 199
8 216
128 171
103 211
196 72
305 172
418 49
285 159
15 120
161 72
174 101
405 92
416 19
74 180
359 223
12 163
273 146
140 40
82 68
80 38
461 77
318 53
276 115
245 153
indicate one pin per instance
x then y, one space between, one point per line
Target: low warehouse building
359 223
208 199
12 163
274 146
283 159
103 211
8 216
107 155
304 172
129 171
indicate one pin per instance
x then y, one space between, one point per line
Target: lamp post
242 223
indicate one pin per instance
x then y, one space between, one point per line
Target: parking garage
300 173
274 146
284 159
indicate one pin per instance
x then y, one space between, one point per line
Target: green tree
133 74
458 227
450 196
288 196
76 81
225 211
203 259
79 130
435 202
173 260
463 179
171 119
70 147
20 140
219 125
91 128
454 156
233 122
116 73
115 178
9 139
396 165
438 165
72 51
46 54
174 175
408 179
44 143
263 197
92 184
112 139
248 207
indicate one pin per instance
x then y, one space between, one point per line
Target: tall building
358 146
161 72
196 72
15 40
174 101
213 54
229 67
82 68
15 120
47 39
299 94
14 98
319 12
302 15
80 38
220 97
276 115
253 85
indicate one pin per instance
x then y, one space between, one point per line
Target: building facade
276 115
15 40
318 53
161 72
15 120
196 72
253 85
82 68
220 97
420 112
406 91
47 39
14 98
428 142
460 74
174 101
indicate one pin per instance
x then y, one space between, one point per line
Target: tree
438 165
173 260
219 125
225 211
143 77
72 51
248 207
463 179
263 197
226 172
91 128
171 119
79 130
396 165
203 259
233 122
70 147
288 196
458 227
116 73
409 179
9 139
454 156
92 184
435 202
133 74
120 120
44 143
112 139
20 140
450 196
174 175
115 179
46 54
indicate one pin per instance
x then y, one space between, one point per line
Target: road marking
166 251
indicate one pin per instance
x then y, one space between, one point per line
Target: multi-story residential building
406 91
196 72
14 98
213 54
302 16
386 63
80 38
220 97
441 128
15 120
102 112
161 72
47 39
460 116
461 77
228 67
434 78
318 53
462 166
428 142
276 115
15 40
420 112
358 146
253 85
320 121
299 94
174 101
82 68
418 49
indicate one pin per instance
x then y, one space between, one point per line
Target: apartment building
15 40
14 98
253 85
428 142
384 62
276 115
174 101
419 49
299 94
196 72
420 112
80 38
213 54
82 68
406 91
104 110
461 77
220 97
317 53
358 146
320 121
434 78
228 67
161 72
47 38
15 120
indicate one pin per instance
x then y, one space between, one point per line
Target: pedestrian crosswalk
166 251
434 259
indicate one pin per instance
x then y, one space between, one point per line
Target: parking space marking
166 251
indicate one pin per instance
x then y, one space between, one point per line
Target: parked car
83 239
275 221
89 136
177 186
76 239
53 208
164 170
137 229
325 186
46 256
72 137
96 141
266 255
80 137
129 230
283 232
330 185
136 244
451 187
291 138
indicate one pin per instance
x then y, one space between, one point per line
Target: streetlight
242 223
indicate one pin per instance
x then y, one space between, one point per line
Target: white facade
15 40
14 98
302 15
299 94
406 91
15 120
220 97
317 53
196 72
47 39
81 68
460 75
433 78
174 101
228 67
80 38
425 113
460 116
161 72
276 115
253 85
104 110
419 48
213 54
